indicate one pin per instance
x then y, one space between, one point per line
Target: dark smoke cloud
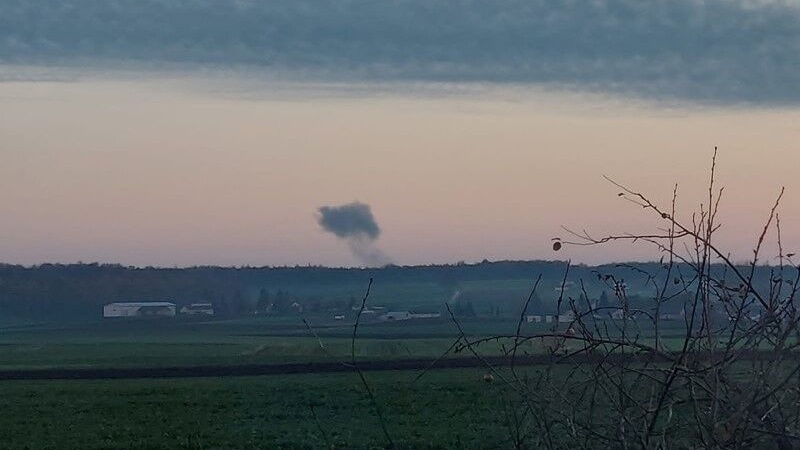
354 220
368 253
718 51
355 224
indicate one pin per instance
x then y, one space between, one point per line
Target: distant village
537 310
155 309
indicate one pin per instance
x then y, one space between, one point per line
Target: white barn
139 309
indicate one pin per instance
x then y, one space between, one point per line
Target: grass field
166 343
443 410
257 351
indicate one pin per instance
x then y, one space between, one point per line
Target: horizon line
344 267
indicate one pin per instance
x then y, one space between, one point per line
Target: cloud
718 51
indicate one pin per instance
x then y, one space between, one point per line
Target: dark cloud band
722 51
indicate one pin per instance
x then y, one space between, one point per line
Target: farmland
443 409
448 409
185 401
435 409
171 342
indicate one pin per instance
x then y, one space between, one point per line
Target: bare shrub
724 373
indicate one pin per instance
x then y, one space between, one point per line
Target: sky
176 132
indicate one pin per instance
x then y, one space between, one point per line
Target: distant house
338 317
198 309
567 317
407 315
534 319
620 314
667 316
435 315
396 315
139 309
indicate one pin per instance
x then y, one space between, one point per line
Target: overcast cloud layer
719 51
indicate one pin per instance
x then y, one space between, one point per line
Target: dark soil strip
319 367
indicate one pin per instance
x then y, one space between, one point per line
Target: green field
175 343
167 343
445 409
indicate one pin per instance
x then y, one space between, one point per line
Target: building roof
140 304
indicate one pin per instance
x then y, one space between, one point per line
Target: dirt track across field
316 367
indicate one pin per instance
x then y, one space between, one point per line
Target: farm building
396 315
198 309
139 309
668 316
426 315
407 315
567 317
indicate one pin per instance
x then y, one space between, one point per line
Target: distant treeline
78 291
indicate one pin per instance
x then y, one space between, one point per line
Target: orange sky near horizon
162 172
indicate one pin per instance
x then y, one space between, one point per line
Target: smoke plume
355 224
